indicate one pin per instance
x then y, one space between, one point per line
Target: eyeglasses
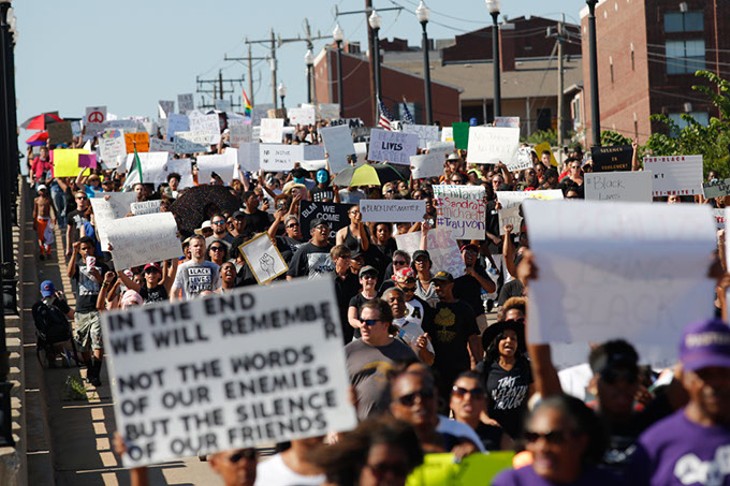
292 225
555 437
369 322
242 454
473 392
383 469
150 271
81 198
400 262
410 399
216 248
389 191
218 222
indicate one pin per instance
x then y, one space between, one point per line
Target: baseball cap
367 269
42 187
47 288
420 253
403 274
322 176
316 222
705 344
442 277
152 265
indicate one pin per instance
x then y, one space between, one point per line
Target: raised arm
128 282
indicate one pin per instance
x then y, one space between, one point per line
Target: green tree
550 136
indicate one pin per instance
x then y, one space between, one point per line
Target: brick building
648 51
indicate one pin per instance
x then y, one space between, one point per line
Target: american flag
384 117
407 117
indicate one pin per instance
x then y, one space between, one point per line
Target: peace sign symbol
96 117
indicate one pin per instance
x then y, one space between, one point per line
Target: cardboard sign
143 239
444 470
263 258
209 124
60 133
392 210
154 166
460 134
489 145
225 165
66 162
302 116
618 186
145 207
716 189
177 123
339 146
522 161
426 133
676 175
511 200
185 103
192 142
447 134
333 213
140 141
507 121
94 120
612 159
240 131
427 165
442 248
272 130
640 267
393 147
462 210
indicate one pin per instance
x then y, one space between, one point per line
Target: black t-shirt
513 288
357 301
287 247
508 394
452 325
155 294
85 288
346 288
467 288
258 222
311 261
61 304
490 435
76 220
319 194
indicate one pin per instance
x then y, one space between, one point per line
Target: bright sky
130 54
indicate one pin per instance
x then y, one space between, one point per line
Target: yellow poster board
441 470
66 162
543 147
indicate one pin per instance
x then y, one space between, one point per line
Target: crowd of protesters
430 371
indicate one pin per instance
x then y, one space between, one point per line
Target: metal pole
273 69
340 88
427 75
250 76
376 56
371 64
283 107
561 83
593 54
309 84
495 60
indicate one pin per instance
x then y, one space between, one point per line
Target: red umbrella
37 139
40 122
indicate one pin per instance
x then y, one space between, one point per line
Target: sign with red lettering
679 175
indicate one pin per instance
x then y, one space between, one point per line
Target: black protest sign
612 159
332 213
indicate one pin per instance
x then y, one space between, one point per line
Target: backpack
50 323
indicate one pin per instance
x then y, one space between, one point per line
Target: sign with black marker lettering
240 369
394 147
462 210
618 186
392 210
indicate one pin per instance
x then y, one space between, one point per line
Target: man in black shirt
468 287
312 259
255 220
76 220
323 192
347 286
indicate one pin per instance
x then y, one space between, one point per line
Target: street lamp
281 89
338 35
593 55
375 22
422 16
309 60
493 7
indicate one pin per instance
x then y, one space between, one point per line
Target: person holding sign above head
355 235
157 282
196 275
312 260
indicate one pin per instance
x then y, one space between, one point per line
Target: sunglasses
409 289
242 454
292 225
369 322
369 276
556 437
400 262
473 392
410 399
81 198
150 271
216 248
218 223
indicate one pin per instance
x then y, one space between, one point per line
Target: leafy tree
550 136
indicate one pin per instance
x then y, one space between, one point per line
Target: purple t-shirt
676 451
527 476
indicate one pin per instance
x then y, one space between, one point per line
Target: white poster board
145 207
224 165
637 272
507 121
426 133
462 210
94 120
442 248
241 131
112 148
427 165
511 200
269 367
142 239
338 143
489 145
192 142
392 210
618 186
248 157
263 258
679 175
272 130
209 124
107 208
447 134
302 116
280 157
394 147
444 148
160 145
329 111
154 166
177 123
522 161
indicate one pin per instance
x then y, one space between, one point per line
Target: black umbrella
198 204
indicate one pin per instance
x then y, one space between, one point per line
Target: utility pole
271 41
308 38
218 90
249 59
561 89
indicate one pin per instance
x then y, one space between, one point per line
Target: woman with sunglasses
217 252
506 374
566 441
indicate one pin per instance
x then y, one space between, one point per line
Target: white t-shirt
273 472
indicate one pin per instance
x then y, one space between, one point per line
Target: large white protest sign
154 166
637 272
462 210
177 123
442 248
241 131
143 239
263 258
489 145
444 148
112 148
427 165
146 207
242 369
185 103
302 116
209 124
225 165
338 143
361 151
618 186
394 147
107 208
511 200
675 175
392 210
314 165
248 157
279 157
160 145
272 130
426 133
192 142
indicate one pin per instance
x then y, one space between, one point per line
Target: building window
684 22
685 56
702 117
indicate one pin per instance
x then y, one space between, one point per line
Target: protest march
293 297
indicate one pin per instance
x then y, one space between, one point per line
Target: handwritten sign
507 121
339 146
145 207
462 210
611 159
618 186
333 213
263 258
192 142
442 248
427 165
522 161
240 131
716 189
511 201
279 157
640 267
302 116
140 141
426 133
209 124
185 103
392 210
225 165
94 120
394 147
447 134
675 175
272 130
489 145
143 239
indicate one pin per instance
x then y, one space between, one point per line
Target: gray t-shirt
194 278
368 367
